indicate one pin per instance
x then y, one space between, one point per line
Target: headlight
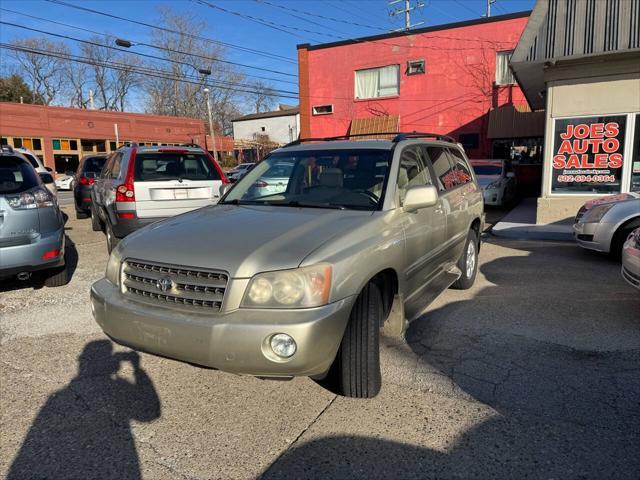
493 185
297 288
113 267
596 213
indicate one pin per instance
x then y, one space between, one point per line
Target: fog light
283 345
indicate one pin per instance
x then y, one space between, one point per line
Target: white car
238 172
45 173
65 182
497 182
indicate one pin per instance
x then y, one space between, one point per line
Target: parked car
274 180
46 173
497 181
238 172
605 223
300 282
66 181
141 185
31 225
631 259
89 168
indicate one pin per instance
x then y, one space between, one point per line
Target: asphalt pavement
532 373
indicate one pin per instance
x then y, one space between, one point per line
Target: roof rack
397 137
190 145
6 148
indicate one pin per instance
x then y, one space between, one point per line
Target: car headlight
595 214
297 288
493 185
113 266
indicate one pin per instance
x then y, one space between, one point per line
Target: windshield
353 179
94 164
487 169
16 176
154 166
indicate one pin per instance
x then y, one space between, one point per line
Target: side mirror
46 178
49 169
511 175
420 196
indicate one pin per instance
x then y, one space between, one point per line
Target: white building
281 126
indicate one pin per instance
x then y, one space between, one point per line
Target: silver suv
31 225
141 185
360 238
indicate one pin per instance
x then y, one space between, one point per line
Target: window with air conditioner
415 67
503 73
322 109
378 82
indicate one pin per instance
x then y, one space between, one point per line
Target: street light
211 130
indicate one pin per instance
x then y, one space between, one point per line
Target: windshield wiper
235 201
296 203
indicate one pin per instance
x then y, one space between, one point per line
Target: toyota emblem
164 284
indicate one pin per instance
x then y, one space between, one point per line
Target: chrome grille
169 285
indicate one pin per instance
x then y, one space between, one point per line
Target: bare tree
186 56
77 75
44 73
264 98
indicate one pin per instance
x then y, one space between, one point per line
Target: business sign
588 154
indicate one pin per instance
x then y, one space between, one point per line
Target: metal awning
374 126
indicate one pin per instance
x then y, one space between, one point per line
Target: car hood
620 197
484 180
242 240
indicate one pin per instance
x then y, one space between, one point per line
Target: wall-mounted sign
588 154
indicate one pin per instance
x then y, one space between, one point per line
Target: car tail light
48 255
34 198
86 181
126 215
260 184
125 192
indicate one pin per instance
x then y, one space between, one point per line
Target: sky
271 26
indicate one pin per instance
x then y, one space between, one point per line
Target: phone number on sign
587 178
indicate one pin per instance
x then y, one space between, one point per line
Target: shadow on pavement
567 405
83 430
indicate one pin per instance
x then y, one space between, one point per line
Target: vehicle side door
96 191
424 230
466 197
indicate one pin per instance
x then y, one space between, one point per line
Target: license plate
181 193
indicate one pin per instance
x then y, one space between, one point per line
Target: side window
413 170
461 167
104 173
114 170
442 167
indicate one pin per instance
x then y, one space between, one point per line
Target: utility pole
407 12
211 129
489 3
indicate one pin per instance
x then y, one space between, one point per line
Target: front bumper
28 257
235 342
493 196
593 236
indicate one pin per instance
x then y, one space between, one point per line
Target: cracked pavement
533 373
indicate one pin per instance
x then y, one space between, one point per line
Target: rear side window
442 168
32 160
461 167
16 175
157 166
94 165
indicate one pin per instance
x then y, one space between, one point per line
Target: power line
274 56
67 37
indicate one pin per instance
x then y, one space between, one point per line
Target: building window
37 144
113 146
469 140
3 141
503 73
588 155
323 109
17 142
378 82
415 67
73 145
264 129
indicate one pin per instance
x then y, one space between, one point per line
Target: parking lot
534 372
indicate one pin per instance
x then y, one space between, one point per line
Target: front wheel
356 370
96 224
468 263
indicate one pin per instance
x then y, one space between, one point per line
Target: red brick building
61 136
450 79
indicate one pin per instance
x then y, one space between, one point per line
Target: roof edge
417 31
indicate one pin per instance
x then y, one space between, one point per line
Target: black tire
356 369
621 235
96 224
56 277
81 214
469 255
112 240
